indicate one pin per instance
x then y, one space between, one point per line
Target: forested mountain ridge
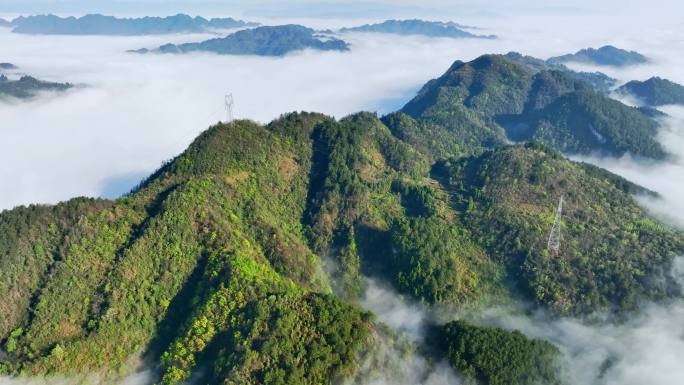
654 91
213 266
265 41
610 245
97 24
495 98
417 27
607 55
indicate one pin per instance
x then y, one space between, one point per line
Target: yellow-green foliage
213 266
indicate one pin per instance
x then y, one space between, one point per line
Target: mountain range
242 260
654 91
496 98
607 55
97 24
264 41
417 27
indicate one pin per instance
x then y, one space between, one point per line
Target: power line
555 236
229 107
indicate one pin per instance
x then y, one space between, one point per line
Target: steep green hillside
584 122
172 267
240 261
654 91
612 254
494 356
483 103
606 55
417 27
598 80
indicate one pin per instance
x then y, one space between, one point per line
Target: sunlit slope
494 98
209 236
240 260
612 254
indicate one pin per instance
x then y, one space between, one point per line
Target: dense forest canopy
654 91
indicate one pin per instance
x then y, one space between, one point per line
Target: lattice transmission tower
229 107
555 236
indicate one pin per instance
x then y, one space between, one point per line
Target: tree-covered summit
417 27
495 98
607 55
263 41
654 91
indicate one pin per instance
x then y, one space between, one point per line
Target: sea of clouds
131 112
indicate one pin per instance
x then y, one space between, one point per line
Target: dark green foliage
494 356
655 91
416 27
547 86
434 261
598 80
585 122
619 182
489 85
292 340
355 161
432 139
612 254
28 87
96 24
480 104
606 55
418 200
264 41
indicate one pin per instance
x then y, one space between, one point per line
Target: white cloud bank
644 349
398 362
139 110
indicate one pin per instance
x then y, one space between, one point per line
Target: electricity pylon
555 236
229 108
